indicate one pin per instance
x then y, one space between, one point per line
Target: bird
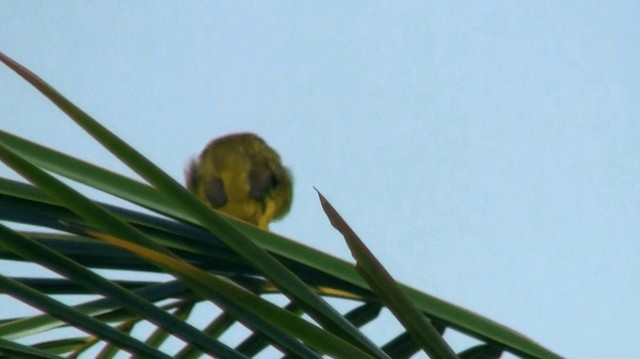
242 176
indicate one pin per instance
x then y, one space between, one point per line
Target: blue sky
487 152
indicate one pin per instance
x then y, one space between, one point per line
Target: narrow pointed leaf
386 287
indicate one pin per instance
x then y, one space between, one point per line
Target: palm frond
225 276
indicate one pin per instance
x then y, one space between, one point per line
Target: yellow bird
241 175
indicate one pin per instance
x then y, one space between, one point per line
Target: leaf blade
385 286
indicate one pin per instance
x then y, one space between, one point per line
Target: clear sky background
488 152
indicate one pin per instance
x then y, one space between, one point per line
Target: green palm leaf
232 268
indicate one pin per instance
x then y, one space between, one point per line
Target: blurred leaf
483 351
10 349
75 317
